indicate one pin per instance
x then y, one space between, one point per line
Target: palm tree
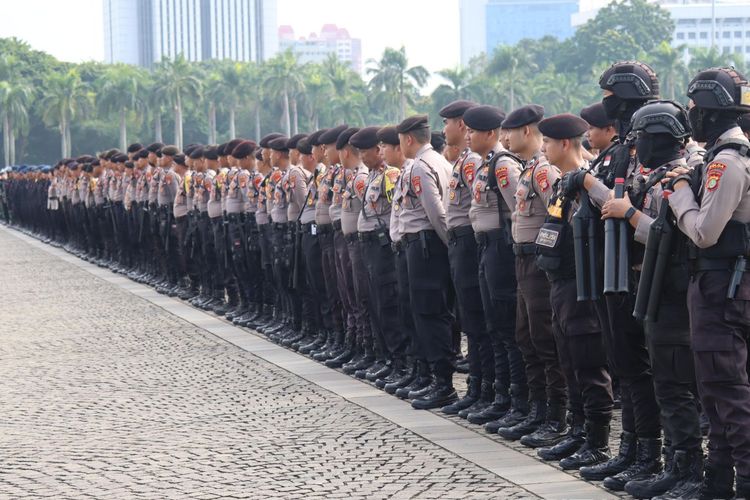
254 97
180 85
317 90
392 77
285 80
14 110
669 65
155 100
458 86
120 91
350 108
704 58
509 64
233 83
214 93
65 98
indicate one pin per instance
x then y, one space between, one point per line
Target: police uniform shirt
261 214
52 201
459 189
141 186
339 177
311 198
254 180
202 182
295 187
118 187
377 204
215 185
352 198
533 193
154 178
180 207
395 228
422 188
235 197
223 185
324 188
652 199
75 194
129 193
168 188
724 187
89 201
278 199
484 213
99 191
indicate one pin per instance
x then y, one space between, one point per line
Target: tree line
50 108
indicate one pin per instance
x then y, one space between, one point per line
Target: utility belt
323 228
459 232
523 249
485 237
337 225
381 236
423 238
729 254
351 237
236 218
280 226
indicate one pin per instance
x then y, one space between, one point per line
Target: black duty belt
459 232
234 217
366 236
702 264
522 249
485 237
412 237
280 226
325 228
337 225
351 237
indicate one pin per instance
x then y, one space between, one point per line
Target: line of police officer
364 248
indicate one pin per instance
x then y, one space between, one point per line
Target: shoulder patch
359 186
416 184
501 173
714 171
469 168
541 180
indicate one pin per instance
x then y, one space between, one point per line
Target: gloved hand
572 182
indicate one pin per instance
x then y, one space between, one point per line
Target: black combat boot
594 451
624 459
486 397
495 410
519 409
647 463
743 487
473 385
315 343
422 380
573 440
410 373
442 392
717 483
346 353
334 341
551 432
679 466
535 418
399 369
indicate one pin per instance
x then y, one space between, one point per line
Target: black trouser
207 254
266 251
405 315
222 274
238 242
629 362
362 304
328 264
344 283
429 282
381 273
311 254
720 328
463 255
253 261
581 352
497 281
674 372
181 229
168 243
283 250
191 249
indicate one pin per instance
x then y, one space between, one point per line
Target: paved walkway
109 390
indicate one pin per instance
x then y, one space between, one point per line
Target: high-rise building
142 32
316 47
485 24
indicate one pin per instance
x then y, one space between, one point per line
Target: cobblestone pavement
105 395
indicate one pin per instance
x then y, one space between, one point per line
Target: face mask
698 123
654 150
611 105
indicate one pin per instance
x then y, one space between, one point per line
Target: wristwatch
630 213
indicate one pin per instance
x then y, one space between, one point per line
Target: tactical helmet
630 80
721 89
662 117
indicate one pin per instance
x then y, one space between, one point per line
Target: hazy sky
71 30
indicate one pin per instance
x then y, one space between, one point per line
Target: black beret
180 159
563 126
72 165
293 140
170 150
437 141
332 134
88 168
84 159
220 149
264 141
155 147
210 153
96 163
279 144
744 122
259 155
196 153
484 118
304 146
119 158
187 149
143 153
417 122
525 115
128 164
314 138
244 149
136 146
388 135
229 146
344 137
366 138
456 109
595 116
109 154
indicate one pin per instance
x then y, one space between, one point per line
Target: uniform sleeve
507 173
360 185
598 193
424 184
298 187
545 177
724 184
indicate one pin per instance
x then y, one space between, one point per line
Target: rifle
584 244
616 255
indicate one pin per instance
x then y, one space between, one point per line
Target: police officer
575 324
422 224
714 215
373 224
626 86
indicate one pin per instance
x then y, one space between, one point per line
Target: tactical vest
555 252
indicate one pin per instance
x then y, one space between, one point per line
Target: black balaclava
709 124
654 150
621 110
